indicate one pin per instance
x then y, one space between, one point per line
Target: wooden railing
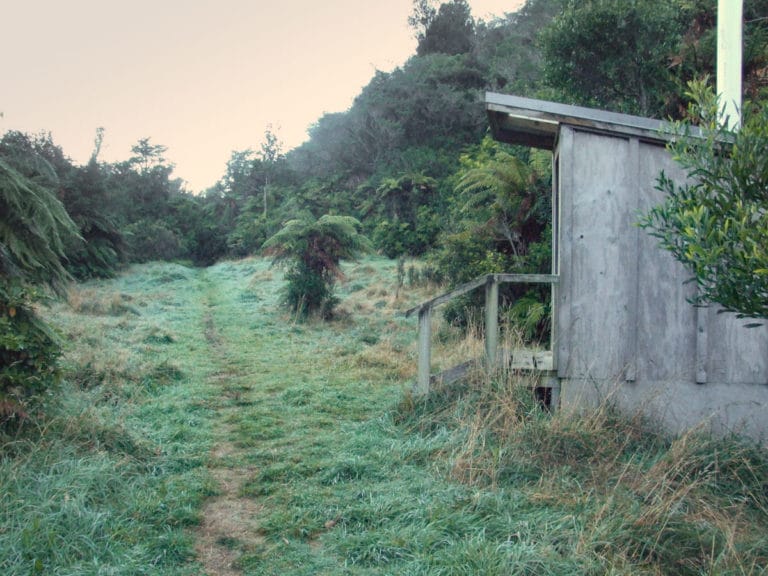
491 283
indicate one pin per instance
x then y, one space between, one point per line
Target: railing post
425 350
491 320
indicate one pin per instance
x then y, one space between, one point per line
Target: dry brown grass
686 505
388 360
93 302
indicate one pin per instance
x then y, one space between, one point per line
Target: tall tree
449 30
147 155
422 16
271 153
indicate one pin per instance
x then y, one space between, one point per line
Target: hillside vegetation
393 160
200 430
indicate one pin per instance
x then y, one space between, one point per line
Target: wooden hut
623 326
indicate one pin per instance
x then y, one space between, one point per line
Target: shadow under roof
536 123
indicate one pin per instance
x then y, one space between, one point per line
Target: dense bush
152 240
29 351
34 228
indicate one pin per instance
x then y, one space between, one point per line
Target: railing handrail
491 283
481 281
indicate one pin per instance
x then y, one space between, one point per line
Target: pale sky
202 77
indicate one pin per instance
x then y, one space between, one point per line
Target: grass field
202 430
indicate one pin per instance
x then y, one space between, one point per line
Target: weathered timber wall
624 325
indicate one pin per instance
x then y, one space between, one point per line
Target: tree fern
313 252
500 191
33 229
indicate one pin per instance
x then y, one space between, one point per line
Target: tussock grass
638 502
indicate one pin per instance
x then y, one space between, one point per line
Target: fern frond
33 228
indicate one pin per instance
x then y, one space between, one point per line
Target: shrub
715 224
29 351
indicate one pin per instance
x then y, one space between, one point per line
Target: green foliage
29 351
34 227
404 210
509 48
309 293
501 213
432 102
395 239
613 53
201 238
638 57
83 192
716 224
85 197
530 316
448 30
498 190
33 230
148 240
313 251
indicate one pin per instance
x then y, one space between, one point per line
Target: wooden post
491 320
729 57
702 344
425 352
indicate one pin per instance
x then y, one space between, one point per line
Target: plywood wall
624 323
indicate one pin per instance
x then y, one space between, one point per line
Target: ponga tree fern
312 252
33 228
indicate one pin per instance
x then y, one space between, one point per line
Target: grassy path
286 394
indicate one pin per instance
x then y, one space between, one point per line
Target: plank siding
735 353
601 245
666 320
563 179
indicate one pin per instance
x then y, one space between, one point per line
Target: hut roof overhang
536 123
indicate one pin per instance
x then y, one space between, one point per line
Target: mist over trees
406 158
